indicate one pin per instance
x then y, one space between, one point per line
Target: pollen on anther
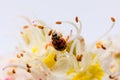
58 22
76 19
111 77
41 27
50 32
79 57
21 55
13 71
25 27
98 44
18 56
112 19
103 47
28 70
55 58
28 66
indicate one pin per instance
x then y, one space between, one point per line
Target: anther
112 19
25 27
76 19
50 32
103 47
111 77
13 71
28 70
18 56
98 44
79 57
41 27
28 66
58 22
21 54
55 58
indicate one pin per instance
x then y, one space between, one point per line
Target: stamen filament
108 31
14 65
73 24
80 25
78 28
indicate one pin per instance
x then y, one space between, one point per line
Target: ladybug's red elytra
58 42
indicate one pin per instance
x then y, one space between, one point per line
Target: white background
94 14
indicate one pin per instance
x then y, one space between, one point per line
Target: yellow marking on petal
50 60
70 71
81 76
35 50
94 72
93 56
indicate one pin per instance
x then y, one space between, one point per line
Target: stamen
41 27
73 24
114 75
58 22
98 44
80 25
28 66
103 47
111 77
21 55
78 29
28 70
112 19
76 19
13 71
79 57
14 65
55 57
108 31
35 25
25 27
117 55
18 56
50 32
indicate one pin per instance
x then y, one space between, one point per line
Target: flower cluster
46 54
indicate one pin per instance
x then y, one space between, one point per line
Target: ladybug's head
56 36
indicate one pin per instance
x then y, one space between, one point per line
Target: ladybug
57 41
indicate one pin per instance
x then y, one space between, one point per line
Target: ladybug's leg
49 44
